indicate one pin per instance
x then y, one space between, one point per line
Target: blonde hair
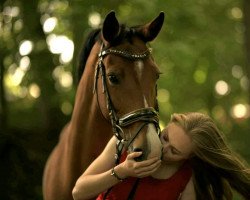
217 169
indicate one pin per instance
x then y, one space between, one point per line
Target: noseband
145 115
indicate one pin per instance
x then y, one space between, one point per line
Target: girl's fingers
148 162
133 155
142 168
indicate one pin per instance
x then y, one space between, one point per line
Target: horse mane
126 33
88 44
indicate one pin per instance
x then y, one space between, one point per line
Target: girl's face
177 145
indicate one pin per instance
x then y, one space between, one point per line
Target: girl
196 164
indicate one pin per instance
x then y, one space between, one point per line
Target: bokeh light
240 111
67 54
200 76
236 13
11 11
34 90
62 77
222 88
66 108
18 25
237 71
24 63
17 77
94 19
60 44
244 83
49 24
66 80
25 47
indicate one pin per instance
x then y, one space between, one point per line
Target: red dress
150 188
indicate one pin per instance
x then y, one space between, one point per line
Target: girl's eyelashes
173 151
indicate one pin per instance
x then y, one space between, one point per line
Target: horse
116 95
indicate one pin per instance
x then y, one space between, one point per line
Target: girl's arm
189 191
97 178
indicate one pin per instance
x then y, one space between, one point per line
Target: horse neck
87 122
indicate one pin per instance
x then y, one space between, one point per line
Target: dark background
203 52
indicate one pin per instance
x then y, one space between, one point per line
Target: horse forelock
126 34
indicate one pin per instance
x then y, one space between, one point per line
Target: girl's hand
137 169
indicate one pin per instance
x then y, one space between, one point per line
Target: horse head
126 82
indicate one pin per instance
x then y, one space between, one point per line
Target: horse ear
111 27
150 30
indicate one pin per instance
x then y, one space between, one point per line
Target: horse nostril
141 157
137 150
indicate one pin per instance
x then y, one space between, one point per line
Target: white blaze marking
145 102
139 67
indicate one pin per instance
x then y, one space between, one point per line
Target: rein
145 115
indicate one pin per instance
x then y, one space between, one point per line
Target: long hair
217 169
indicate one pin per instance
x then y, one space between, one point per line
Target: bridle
145 115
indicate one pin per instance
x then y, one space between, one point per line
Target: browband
126 54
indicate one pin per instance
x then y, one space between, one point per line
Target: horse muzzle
147 132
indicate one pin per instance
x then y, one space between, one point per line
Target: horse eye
113 79
158 75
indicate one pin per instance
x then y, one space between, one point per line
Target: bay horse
116 94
